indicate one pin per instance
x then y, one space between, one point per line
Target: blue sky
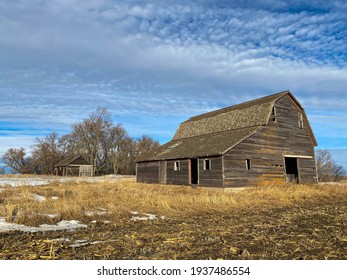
153 64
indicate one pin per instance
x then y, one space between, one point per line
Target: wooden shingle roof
70 160
216 132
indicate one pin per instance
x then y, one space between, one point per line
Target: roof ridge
230 108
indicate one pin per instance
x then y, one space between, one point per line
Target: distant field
116 218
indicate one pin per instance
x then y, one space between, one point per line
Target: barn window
248 164
274 111
207 164
177 166
274 114
301 120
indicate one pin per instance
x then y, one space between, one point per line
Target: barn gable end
74 166
261 140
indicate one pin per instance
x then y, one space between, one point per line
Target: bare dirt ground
310 230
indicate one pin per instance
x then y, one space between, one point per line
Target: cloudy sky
153 64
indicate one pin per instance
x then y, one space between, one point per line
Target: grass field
128 220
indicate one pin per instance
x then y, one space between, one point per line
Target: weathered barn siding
162 172
178 177
214 176
307 170
147 172
73 171
267 147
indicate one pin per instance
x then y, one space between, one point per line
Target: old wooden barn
74 166
265 139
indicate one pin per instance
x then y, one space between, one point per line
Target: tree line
106 145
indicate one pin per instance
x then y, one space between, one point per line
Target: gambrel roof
216 132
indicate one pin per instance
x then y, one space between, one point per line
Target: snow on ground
16 182
39 198
41 181
99 213
49 215
62 225
144 216
82 242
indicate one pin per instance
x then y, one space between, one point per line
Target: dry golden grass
78 200
271 221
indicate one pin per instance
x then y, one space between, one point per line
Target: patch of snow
62 239
99 213
144 217
80 243
62 225
54 198
39 197
50 215
16 182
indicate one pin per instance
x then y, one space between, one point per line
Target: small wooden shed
265 139
74 166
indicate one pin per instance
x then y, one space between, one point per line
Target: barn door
162 172
291 168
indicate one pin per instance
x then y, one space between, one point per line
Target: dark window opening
194 173
274 114
248 164
274 111
207 164
177 166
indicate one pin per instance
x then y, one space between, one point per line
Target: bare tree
145 145
17 160
69 147
46 153
327 168
114 147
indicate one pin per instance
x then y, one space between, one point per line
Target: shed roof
70 160
216 132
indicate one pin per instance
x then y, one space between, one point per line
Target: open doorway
194 171
291 169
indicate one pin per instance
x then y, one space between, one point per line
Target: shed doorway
194 171
291 169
